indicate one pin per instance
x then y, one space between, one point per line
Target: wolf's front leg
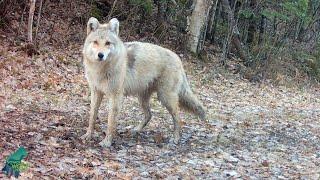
114 107
96 98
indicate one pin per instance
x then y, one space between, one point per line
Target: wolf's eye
95 42
108 43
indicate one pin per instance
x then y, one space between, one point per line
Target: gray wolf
116 69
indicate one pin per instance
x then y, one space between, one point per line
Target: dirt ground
253 131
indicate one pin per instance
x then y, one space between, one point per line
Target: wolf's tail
189 102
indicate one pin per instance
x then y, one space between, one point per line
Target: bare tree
233 34
38 19
198 24
212 21
30 19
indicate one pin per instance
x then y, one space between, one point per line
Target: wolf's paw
87 136
106 143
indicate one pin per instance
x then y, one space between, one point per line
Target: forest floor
253 131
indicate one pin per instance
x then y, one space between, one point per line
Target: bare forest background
259 39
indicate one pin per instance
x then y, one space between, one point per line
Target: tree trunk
252 24
218 12
261 28
233 30
198 25
161 11
38 20
211 23
30 20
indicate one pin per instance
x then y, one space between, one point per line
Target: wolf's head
102 40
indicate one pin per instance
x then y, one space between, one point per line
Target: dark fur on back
130 54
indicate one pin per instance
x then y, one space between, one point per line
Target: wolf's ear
92 25
114 25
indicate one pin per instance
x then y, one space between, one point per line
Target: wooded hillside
267 39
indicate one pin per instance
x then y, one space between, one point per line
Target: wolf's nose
100 55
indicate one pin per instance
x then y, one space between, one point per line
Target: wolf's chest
98 81
105 82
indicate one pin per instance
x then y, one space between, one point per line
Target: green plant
310 62
246 14
96 12
147 5
2 22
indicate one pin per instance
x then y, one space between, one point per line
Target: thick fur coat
115 69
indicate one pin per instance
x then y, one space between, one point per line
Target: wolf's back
151 60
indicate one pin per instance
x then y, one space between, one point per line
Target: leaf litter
253 131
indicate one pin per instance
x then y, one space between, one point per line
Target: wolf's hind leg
96 98
170 101
144 100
